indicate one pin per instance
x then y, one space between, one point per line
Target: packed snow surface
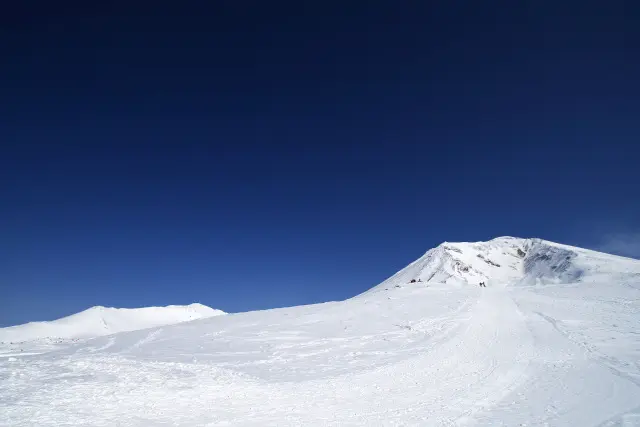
553 340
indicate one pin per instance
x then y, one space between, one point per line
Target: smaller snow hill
99 321
511 261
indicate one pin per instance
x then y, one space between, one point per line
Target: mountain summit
507 261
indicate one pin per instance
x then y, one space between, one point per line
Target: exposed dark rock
495 264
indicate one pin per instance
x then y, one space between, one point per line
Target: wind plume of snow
625 244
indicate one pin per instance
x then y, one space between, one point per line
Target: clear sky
251 154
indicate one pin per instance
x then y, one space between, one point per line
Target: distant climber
483 285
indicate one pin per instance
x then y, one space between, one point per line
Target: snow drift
98 321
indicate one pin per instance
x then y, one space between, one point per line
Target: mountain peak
503 261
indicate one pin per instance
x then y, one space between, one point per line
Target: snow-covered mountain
509 261
99 321
551 341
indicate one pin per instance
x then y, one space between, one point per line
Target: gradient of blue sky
248 156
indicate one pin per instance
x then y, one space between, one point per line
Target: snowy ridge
507 261
551 341
99 321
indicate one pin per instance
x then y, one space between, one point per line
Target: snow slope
528 350
98 321
509 261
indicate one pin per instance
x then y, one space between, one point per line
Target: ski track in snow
423 354
431 356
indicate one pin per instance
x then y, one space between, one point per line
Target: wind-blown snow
98 321
553 340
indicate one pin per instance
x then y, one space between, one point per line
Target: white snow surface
98 321
553 340
510 261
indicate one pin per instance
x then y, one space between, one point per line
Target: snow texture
551 341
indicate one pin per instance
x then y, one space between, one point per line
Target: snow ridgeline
99 321
441 352
507 261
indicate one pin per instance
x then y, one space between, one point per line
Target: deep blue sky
250 156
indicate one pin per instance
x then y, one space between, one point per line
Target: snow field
552 341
